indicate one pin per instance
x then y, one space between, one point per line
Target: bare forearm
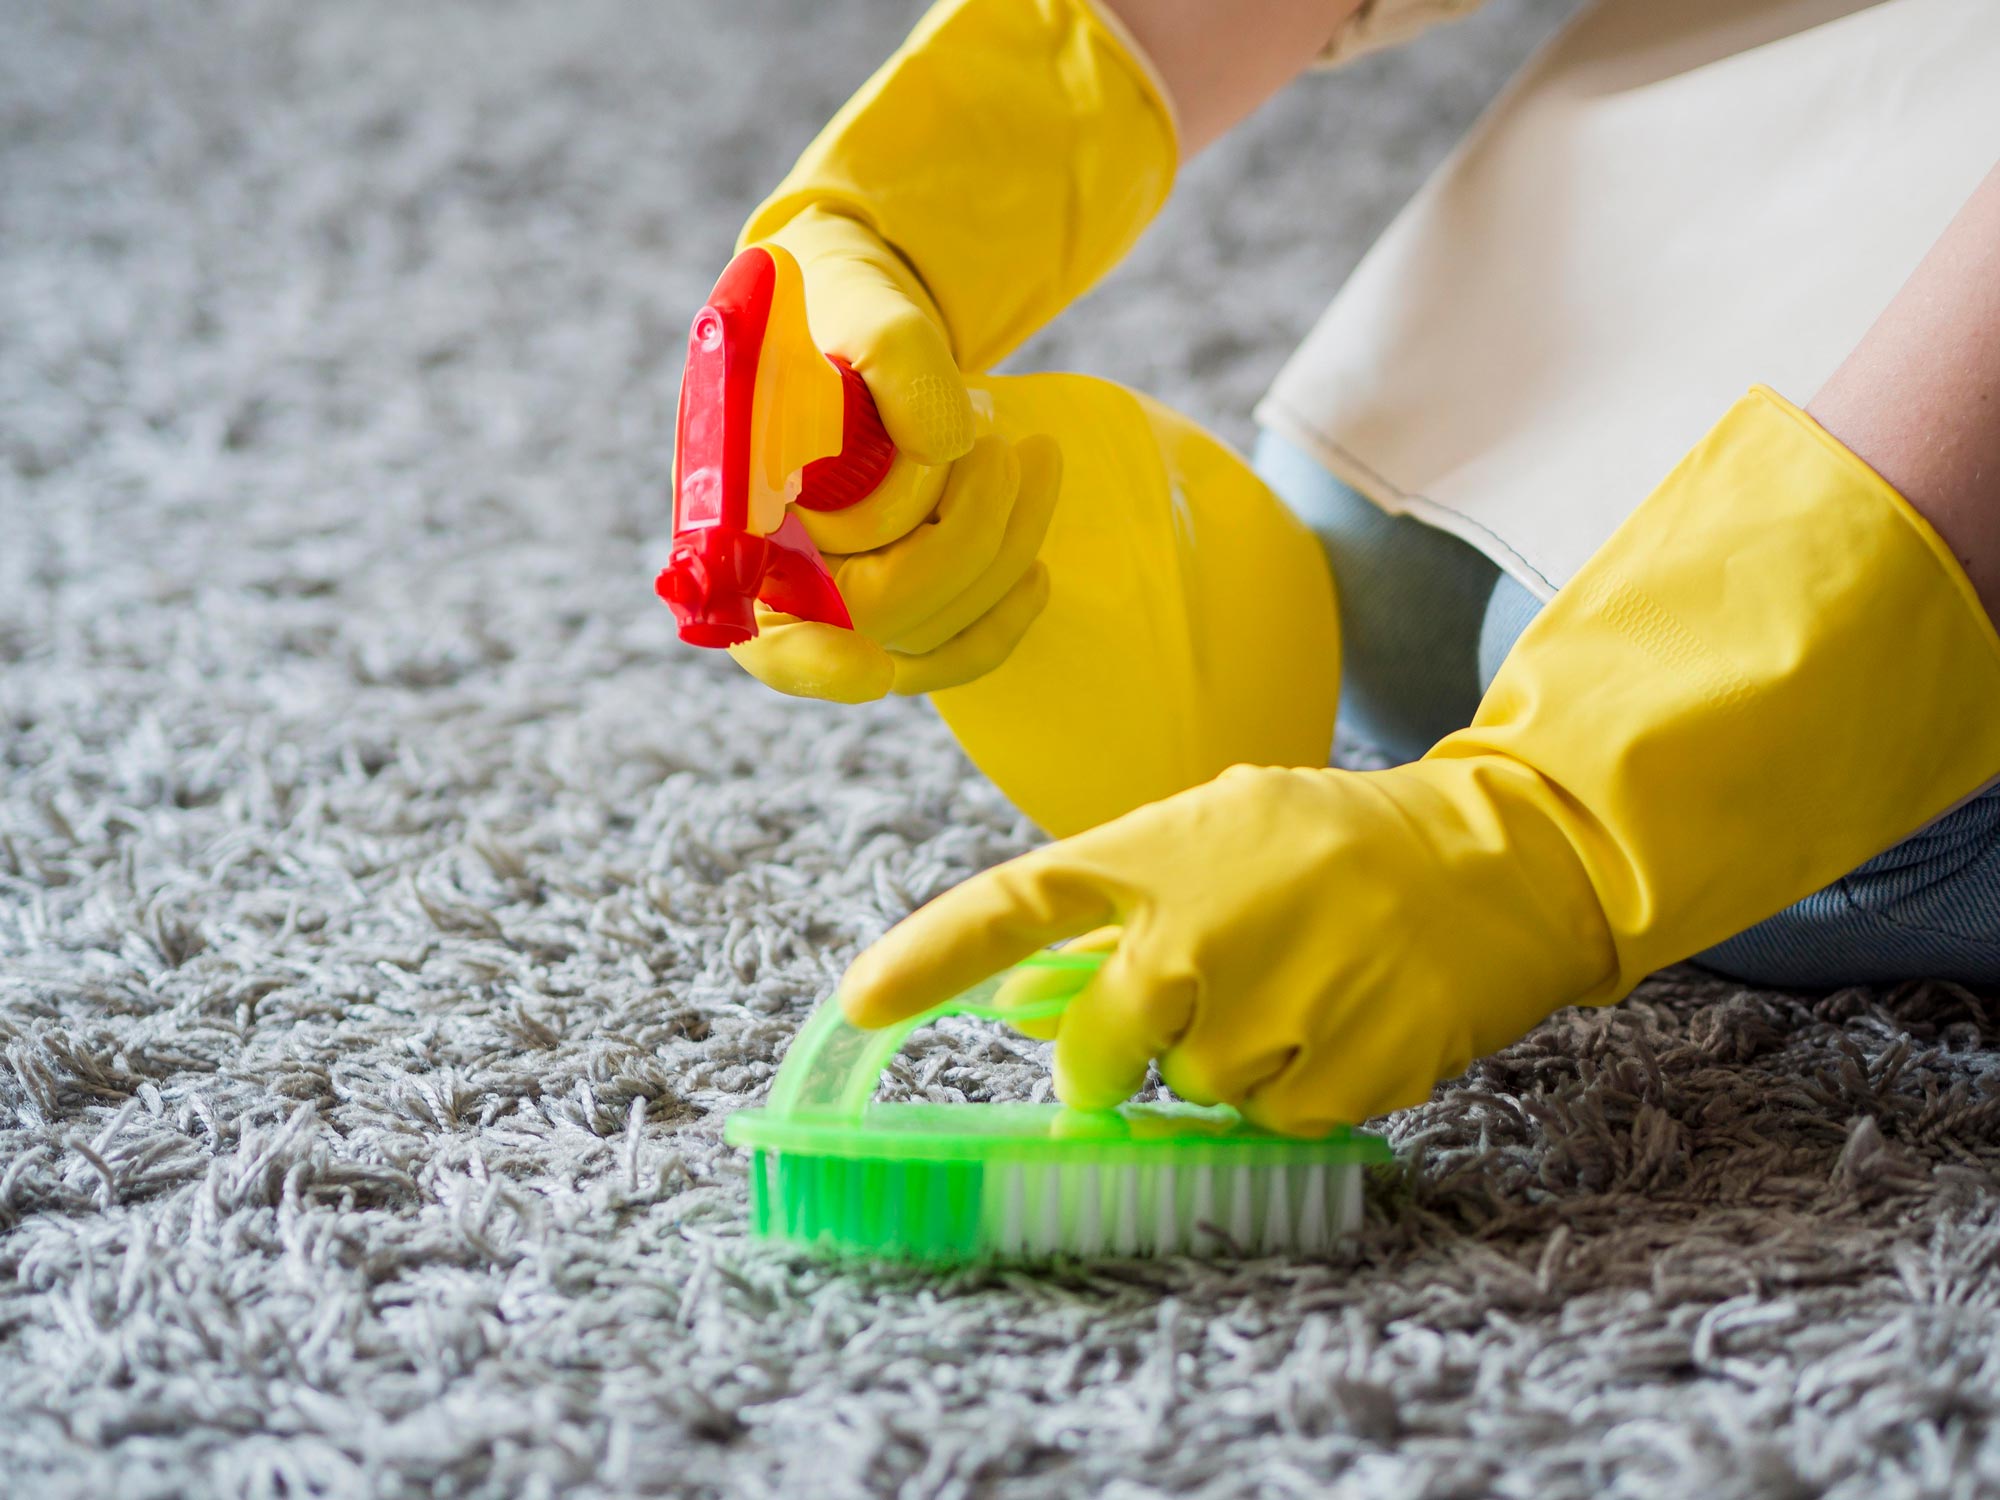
1220 61
1919 398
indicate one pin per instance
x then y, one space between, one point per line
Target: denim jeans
1426 620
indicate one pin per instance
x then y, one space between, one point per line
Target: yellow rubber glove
1773 671
993 168
939 606
1190 626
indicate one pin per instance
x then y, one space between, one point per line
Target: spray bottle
1190 624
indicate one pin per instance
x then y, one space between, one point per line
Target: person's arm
1780 665
1919 398
1219 62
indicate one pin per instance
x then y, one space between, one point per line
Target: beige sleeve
1389 23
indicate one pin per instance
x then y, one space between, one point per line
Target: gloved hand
866 305
1773 671
994 167
939 606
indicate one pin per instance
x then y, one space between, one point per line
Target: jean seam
1845 889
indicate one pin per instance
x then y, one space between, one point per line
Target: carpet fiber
391 915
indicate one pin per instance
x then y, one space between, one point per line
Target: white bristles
1048 1230
1241 1210
1089 1236
1035 1210
1202 1210
1166 1210
1351 1205
1313 1226
1125 1212
1277 1231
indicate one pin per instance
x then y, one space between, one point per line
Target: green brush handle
831 1069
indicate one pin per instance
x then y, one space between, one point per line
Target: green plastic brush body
833 1171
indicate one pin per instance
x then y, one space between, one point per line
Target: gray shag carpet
391 915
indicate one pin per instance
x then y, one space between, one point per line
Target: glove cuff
1774 670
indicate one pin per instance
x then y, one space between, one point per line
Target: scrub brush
942 1183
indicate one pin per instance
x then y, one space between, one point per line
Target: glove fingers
904 500
809 660
1385 1057
1124 1018
1029 984
867 306
1252 1049
893 589
989 923
1205 1072
1034 505
974 652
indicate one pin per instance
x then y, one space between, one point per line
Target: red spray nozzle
707 590
765 419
